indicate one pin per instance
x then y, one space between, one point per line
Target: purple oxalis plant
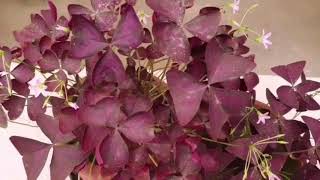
120 101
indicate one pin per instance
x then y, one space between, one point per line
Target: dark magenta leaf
36 107
215 160
172 41
68 120
218 117
34 154
23 73
222 66
72 66
109 68
314 127
129 33
34 31
133 104
50 127
49 62
87 39
288 96
307 86
186 163
32 53
64 159
290 72
277 107
106 112
93 137
173 10
50 15
114 152
139 128
76 9
251 80
186 93
205 25
14 106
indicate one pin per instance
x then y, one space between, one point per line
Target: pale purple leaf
204 26
139 128
87 39
173 10
129 33
172 41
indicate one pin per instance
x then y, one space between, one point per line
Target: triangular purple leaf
222 66
186 93
288 96
129 34
172 41
34 154
49 62
290 72
314 127
204 26
277 108
68 120
173 10
139 128
87 39
35 107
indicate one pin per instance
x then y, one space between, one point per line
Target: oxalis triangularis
121 101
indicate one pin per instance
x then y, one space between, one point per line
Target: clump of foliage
120 101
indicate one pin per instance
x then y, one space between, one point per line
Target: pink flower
3 73
264 39
272 176
73 105
235 6
37 86
263 117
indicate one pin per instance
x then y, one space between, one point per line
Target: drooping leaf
307 86
49 62
32 53
87 39
50 127
133 104
205 25
222 66
215 160
76 9
50 15
106 112
251 80
93 136
15 106
68 120
34 154
173 10
277 107
186 93
314 127
23 73
71 65
109 68
218 117
288 96
172 41
290 72
36 107
139 128
64 159
114 152
129 33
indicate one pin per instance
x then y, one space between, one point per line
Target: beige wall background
295 26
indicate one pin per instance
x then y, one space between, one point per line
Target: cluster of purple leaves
123 132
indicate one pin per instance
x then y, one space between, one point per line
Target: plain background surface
11 167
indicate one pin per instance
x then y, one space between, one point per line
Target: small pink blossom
235 6
37 86
263 117
272 176
73 105
264 39
3 73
